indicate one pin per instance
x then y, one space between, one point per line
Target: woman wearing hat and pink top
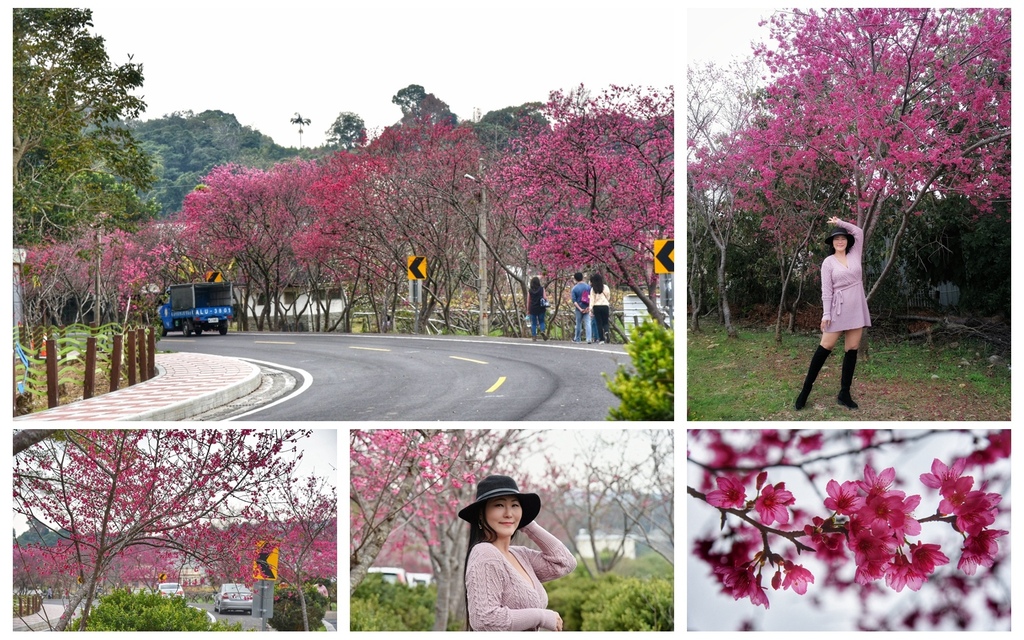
845 308
503 582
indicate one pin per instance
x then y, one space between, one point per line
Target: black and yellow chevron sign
664 256
417 267
264 567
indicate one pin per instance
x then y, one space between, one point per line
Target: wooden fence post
152 352
130 350
143 358
90 368
115 363
52 390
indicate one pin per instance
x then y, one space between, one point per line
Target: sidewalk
47 617
186 385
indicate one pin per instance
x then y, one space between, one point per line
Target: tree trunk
723 297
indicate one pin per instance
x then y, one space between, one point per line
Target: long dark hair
597 283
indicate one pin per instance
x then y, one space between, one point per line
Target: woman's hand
824 325
834 220
558 622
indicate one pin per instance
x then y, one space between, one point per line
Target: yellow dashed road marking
496 384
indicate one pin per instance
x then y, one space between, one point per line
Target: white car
232 596
170 589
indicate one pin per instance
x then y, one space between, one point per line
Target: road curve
380 377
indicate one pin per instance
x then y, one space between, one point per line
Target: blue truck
198 307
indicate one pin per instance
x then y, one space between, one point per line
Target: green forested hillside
184 146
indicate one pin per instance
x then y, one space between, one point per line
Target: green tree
649 393
497 128
409 98
347 132
74 158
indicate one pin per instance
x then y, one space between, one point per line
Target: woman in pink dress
503 581
845 308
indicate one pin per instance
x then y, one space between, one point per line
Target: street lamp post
482 256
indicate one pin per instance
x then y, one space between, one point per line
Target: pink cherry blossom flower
925 557
729 494
901 573
955 494
868 547
797 577
843 498
876 484
771 504
979 550
891 511
943 477
739 582
976 512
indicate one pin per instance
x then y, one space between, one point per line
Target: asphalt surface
275 377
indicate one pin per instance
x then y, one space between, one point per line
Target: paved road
399 377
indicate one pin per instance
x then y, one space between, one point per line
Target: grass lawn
752 378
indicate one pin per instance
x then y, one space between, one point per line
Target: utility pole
485 327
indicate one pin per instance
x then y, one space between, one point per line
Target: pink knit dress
842 288
498 595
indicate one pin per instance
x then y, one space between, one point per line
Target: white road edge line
307 382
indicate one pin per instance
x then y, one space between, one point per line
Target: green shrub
145 611
631 605
368 614
570 594
380 606
648 394
288 608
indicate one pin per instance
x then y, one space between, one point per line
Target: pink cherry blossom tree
921 544
902 103
115 490
595 189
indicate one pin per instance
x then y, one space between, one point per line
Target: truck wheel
198 329
186 328
163 331
223 329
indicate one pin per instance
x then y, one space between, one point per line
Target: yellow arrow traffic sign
417 267
265 565
664 256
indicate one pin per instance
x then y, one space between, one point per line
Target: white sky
721 34
265 64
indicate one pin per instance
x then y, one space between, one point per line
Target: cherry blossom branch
763 528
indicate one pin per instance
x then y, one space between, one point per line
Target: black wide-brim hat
496 486
839 231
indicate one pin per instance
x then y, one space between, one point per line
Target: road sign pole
666 285
415 293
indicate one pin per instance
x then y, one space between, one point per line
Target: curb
186 385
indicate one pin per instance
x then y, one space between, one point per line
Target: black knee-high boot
849 364
817 360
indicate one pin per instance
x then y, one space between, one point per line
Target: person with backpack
581 305
537 306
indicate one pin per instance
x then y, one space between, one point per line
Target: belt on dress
837 298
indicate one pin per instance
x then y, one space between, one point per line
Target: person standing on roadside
536 306
600 306
581 306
